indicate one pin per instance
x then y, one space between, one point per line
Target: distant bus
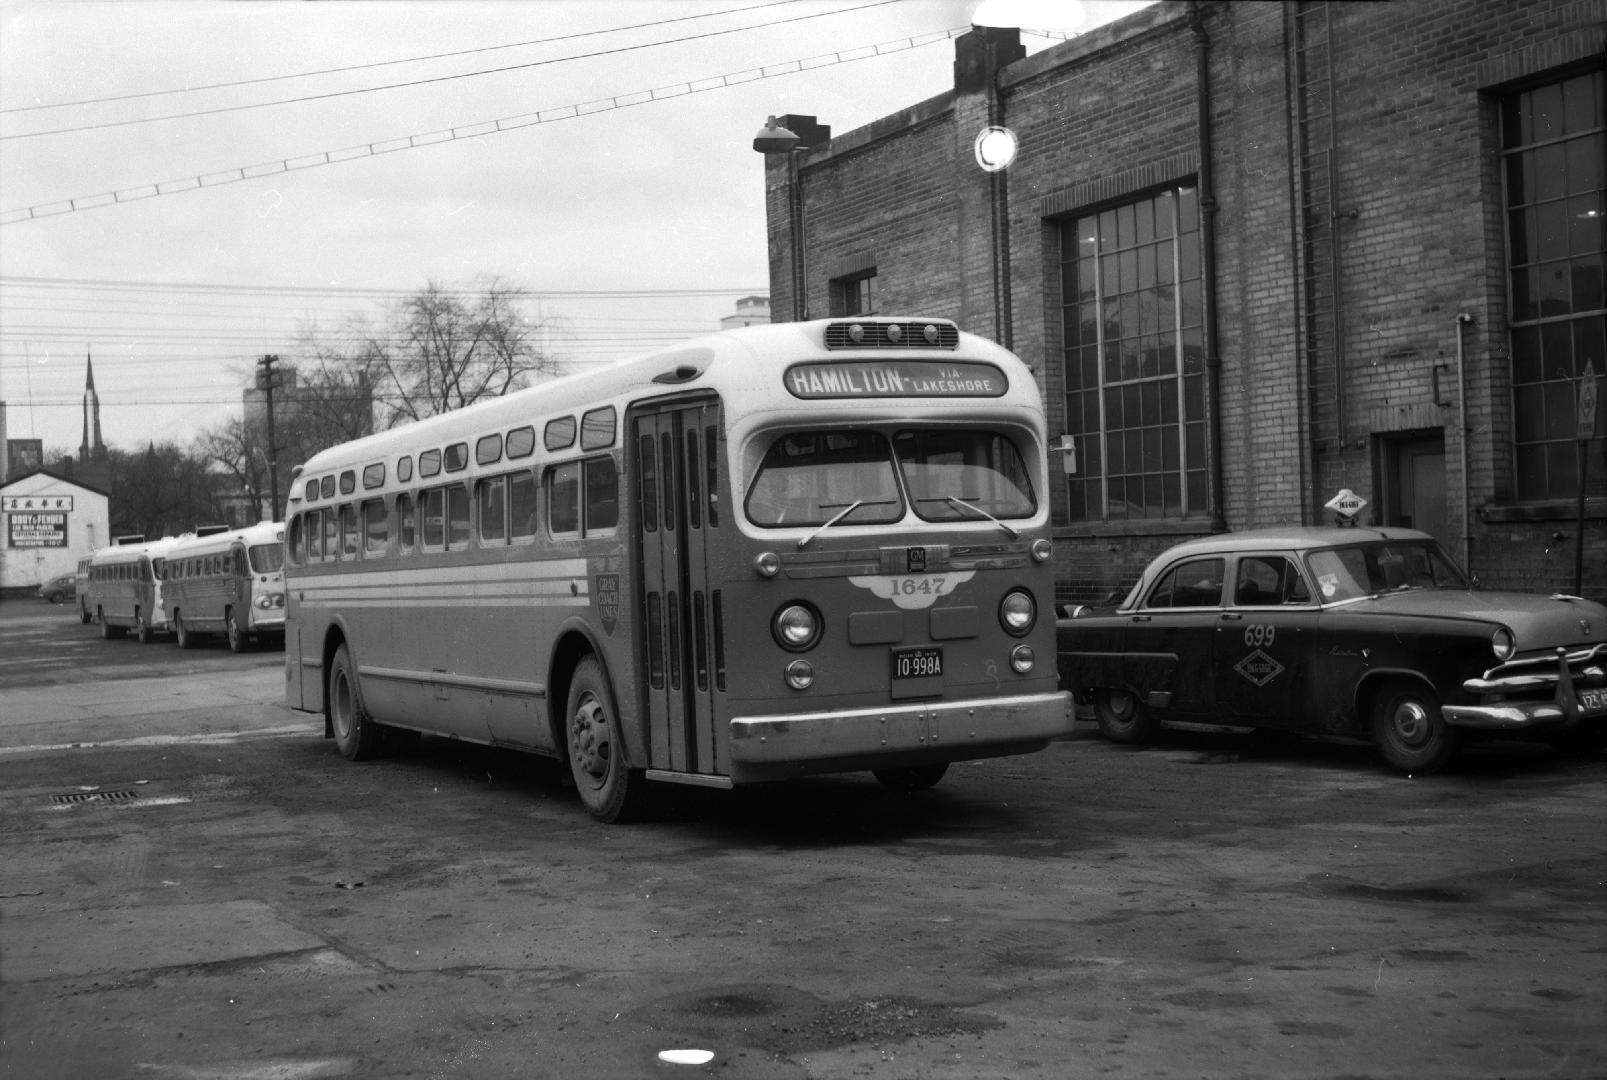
125 587
228 582
770 552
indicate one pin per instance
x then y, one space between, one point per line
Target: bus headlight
1501 643
1021 659
1017 612
796 627
800 676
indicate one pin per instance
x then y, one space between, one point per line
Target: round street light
774 139
995 148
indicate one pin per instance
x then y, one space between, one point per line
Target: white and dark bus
770 552
229 582
125 587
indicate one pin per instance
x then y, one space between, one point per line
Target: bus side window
376 527
563 499
712 486
294 544
457 516
348 531
432 506
406 524
331 536
491 497
647 477
522 500
602 495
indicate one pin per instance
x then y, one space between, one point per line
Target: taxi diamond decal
1259 668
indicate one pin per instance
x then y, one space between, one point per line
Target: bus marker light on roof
894 331
929 332
856 333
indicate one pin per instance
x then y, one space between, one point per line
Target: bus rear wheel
142 628
611 790
181 633
107 630
357 736
914 778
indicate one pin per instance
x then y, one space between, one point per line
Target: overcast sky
635 218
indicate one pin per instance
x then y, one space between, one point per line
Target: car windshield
1378 566
267 558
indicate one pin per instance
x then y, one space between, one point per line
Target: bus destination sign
895 378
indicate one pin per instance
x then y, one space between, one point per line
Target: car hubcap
1411 724
1121 705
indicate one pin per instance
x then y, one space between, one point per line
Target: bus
230 582
766 553
125 587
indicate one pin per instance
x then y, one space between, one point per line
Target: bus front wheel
611 790
237 633
142 628
357 736
180 632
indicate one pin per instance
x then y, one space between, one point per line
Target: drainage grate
94 796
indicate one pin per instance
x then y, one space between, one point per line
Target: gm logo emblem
915 558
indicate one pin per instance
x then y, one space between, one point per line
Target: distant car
1356 632
59 590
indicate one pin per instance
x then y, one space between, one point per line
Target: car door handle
1141 618
1234 615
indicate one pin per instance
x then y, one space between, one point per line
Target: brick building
1257 254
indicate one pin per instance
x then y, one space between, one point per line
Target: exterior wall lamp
777 137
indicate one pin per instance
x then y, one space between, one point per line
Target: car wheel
1409 729
237 634
357 736
1123 718
914 778
611 790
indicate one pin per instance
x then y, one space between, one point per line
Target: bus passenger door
676 609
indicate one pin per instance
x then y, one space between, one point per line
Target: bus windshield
812 477
944 470
267 558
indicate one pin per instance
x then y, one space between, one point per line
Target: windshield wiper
849 509
955 501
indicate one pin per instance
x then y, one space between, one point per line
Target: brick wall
1417 233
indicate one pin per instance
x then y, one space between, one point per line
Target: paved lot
202 888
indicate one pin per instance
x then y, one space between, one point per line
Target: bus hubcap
588 738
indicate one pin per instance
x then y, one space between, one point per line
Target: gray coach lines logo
1259 668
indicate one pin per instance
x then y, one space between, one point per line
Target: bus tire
83 614
357 736
181 633
142 628
913 778
1409 729
611 790
237 633
107 630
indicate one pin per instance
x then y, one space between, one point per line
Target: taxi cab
1351 631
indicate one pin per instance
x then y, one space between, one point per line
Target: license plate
917 663
1593 701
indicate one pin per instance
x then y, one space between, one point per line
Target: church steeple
88 451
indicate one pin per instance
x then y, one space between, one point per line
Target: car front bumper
1564 689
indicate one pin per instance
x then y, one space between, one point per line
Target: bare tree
440 350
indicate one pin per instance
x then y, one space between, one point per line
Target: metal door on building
676 452
1414 487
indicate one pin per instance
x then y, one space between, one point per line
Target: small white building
751 311
47 524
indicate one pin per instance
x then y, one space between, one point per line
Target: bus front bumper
847 740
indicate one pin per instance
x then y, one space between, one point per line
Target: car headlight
1501 643
796 626
1017 612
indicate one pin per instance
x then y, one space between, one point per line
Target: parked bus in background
769 552
125 587
230 582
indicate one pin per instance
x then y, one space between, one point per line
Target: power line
328 95
391 63
470 131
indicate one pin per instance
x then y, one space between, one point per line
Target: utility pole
267 363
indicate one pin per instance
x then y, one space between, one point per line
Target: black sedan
1354 632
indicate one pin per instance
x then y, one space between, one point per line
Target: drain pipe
1463 321
1208 208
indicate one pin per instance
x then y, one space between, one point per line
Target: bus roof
264 532
122 553
746 366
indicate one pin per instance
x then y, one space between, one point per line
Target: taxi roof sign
1347 503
